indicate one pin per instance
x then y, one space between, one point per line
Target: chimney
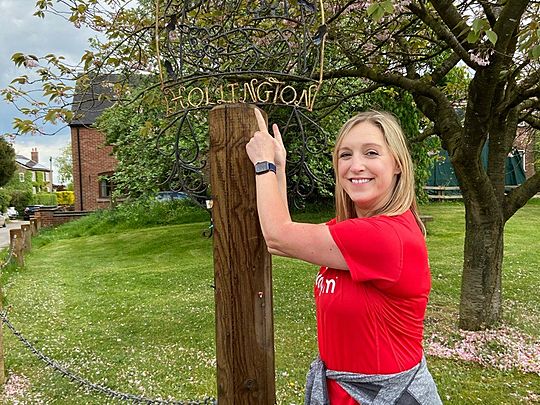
35 155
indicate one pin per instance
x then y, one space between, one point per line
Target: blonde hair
403 195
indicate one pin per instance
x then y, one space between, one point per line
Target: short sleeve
371 247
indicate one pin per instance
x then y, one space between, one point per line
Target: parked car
2 220
12 213
30 211
171 195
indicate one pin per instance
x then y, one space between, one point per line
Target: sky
20 31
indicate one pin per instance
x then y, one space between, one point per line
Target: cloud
20 31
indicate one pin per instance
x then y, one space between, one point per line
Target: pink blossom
400 6
481 57
15 388
382 36
505 348
369 47
360 5
30 62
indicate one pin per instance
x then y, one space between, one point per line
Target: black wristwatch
265 166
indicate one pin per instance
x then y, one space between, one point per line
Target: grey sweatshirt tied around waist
410 387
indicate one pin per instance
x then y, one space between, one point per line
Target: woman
373 285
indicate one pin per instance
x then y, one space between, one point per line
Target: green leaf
20 79
379 13
535 52
479 24
472 37
68 114
376 11
388 6
492 36
23 126
18 58
50 116
372 9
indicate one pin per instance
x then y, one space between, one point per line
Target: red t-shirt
370 319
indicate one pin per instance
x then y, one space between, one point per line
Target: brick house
525 143
93 160
40 175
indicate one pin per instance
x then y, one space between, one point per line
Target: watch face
261 167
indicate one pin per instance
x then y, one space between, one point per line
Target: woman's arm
308 242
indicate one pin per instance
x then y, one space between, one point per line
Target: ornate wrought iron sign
228 51
265 52
266 91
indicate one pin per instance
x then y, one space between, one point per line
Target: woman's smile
360 181
366 168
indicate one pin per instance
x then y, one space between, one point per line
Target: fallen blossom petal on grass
504 348
15 388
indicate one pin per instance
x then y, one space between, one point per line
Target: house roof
30 164
89 103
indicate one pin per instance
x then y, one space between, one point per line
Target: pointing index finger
260 121
277 133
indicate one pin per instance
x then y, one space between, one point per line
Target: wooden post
2 363
17 244
27 237
242 265
38 222
2 360
33 227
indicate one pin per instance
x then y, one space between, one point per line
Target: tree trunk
480 305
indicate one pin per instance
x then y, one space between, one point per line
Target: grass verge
134 310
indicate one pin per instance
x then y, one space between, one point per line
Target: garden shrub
65 197
45 199
5 198
20 199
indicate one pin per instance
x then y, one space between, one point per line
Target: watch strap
264 167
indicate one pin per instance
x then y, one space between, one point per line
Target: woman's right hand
280 154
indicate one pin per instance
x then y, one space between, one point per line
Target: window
21 177
33 176
45 176
105 187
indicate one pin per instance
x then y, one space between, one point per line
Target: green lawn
133 310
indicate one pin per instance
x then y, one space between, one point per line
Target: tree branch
424 135
531 80
519 196
452 18
530 103
416 86
335 105
533 92
508 23
531 120
488 10
444 32
427 106
429 98
445 67
340 11
521 92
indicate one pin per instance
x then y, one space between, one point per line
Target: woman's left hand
262 146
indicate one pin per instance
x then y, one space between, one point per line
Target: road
4 232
